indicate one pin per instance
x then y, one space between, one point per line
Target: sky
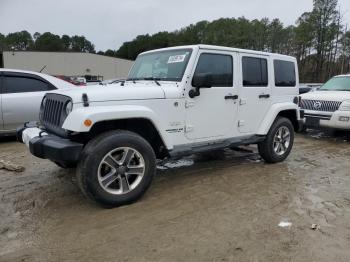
109 23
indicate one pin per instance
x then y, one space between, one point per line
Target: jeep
175 101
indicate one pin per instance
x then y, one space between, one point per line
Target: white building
68 64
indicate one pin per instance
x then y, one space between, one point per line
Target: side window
284 73
254 71
19 84
219 66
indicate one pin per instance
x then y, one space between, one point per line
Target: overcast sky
109 23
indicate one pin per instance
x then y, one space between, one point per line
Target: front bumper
336 120
48 146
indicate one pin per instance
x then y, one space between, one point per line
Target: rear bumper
48 146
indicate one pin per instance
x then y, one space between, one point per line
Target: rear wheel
279 141
116 168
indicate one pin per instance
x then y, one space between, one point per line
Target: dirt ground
233 207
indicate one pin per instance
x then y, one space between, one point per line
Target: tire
96 167
267 148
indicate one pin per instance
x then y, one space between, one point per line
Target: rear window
284 73
19 84
254 71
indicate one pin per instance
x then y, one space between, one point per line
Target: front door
212 114
255 92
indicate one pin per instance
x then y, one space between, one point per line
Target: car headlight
69 107
345 106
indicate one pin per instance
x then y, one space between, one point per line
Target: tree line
319 40
24 41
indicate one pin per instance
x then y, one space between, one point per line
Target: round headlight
69 107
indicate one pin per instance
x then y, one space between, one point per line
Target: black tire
266 148
95 151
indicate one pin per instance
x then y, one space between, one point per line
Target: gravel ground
227 207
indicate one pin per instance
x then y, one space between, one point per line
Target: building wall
68 63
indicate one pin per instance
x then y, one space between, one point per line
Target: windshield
167 65
337 84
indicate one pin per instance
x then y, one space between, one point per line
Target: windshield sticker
176 59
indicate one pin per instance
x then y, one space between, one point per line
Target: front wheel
116 168
279 141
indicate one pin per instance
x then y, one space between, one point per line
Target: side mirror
203 80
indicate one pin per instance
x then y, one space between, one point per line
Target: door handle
233 97
264 96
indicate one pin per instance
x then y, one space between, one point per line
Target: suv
328 107
175 102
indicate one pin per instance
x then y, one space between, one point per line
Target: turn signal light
88 122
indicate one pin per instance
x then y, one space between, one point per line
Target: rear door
21 98
255 92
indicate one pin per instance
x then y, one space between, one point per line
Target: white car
175 102
21 93
329 106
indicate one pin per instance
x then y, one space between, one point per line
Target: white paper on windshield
176 59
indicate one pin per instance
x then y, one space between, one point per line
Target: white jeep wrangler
175 101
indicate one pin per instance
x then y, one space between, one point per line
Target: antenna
42 68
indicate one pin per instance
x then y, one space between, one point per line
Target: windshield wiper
153 79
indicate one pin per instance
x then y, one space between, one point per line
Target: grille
52 113
319 105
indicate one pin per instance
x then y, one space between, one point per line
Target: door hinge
189 104
242 101
188 128
241 123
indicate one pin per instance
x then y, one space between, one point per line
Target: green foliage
318 40
81 44
45 42
48 42
18 41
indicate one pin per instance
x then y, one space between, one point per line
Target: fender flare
273 113
75 120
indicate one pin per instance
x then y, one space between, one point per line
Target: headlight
69 107
345 106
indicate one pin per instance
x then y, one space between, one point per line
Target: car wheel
116 168
279 141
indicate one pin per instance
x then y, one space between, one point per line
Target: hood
327 95
114 92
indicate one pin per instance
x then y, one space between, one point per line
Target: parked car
21 93
329 106
175 102
71 80
305 88
112 81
